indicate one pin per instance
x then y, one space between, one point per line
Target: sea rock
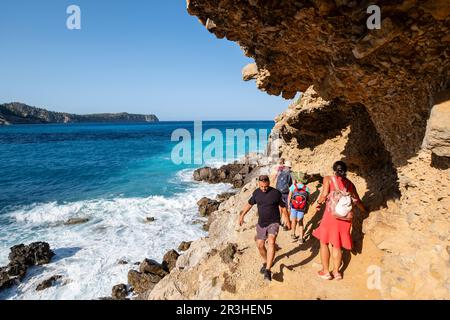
234 173
206 206
225 196
20 258
5 280
50 282
153 267
73 221
170 260
142 282
16 269
37 253
119 292
184 246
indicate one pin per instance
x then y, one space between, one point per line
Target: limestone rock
170 260
153 267
206 206
250 72
184 246
142 282
437 137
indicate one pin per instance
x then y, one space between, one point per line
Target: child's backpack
299 198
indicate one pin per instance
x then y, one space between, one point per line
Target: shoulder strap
336 186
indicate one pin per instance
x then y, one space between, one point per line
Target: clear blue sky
138 56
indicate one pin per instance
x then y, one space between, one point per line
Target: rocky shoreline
150 273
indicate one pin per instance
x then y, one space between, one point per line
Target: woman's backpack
340 202
299 198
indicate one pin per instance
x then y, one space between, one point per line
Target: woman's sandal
337 276
324 275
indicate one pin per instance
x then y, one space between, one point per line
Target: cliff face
19 113
375 93
379 100
394 72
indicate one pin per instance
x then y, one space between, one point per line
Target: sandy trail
296 266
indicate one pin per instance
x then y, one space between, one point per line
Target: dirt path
295 269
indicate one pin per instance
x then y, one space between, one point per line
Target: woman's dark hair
340 168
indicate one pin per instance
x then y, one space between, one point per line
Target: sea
117 176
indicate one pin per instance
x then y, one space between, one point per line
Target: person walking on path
283 182
298 205
333 229
270 203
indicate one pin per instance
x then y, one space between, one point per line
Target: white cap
288 164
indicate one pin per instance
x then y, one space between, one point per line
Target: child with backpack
298 204
283 182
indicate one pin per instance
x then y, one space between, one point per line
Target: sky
135 56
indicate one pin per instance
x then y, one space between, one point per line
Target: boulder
50 282
153 267
20 258
224 196
184 246
437 137
142 282
119 292
16 269
170 260
234 173
207 206
5 280
37 253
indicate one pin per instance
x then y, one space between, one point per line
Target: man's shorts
297 214
263 233
284 198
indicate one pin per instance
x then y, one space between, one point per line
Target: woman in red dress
332 230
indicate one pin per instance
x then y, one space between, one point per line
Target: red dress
332 230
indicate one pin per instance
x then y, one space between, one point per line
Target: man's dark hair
264 178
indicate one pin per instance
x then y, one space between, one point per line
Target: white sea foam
87 255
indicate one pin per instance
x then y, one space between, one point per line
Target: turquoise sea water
114 174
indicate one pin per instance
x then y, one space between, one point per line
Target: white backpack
341 203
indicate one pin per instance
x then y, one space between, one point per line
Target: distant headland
19 113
